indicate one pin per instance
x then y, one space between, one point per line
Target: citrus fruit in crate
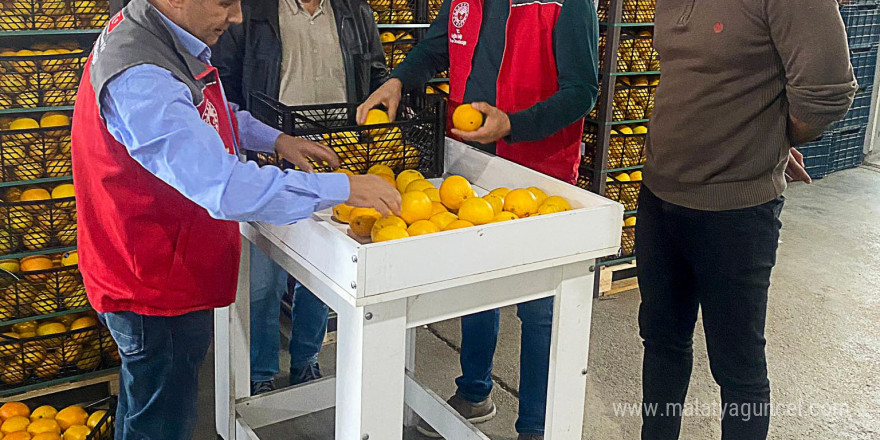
375 117
14 409
342 213
406 177
67 236
70 259
467 118
36 240
90 358
362 220
51 328
389 233
443 219
521 202
422 227
14 424
419 185
47 436
45 303
540 195
558 202
69 352
433 194
95 418
77 432
44 426
32 354
476 210
458 224
496 201
44 412
454 190
380 169
8 243
415 206
437 208
13 373
504 216
9 345
35 263
72 415
76 299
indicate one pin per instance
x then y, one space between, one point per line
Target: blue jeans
479 336
268 282
159 378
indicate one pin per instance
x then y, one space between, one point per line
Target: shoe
473 412
530 437
261 387
299 376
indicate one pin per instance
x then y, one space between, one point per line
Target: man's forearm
800 132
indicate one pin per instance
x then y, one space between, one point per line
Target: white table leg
409 416
371 355
232 360
569 348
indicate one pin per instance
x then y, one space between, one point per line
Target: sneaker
530 437
262 387
299 376
473 412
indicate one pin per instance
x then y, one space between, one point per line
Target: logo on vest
460 14
210 115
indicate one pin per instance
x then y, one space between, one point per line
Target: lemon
415 206
44 425
390 233
433 194
476 210
44 412
504 216
458 224
540 195
630 221
406 177
422 227
557 201
521 202
443 219
380 169
500 192
341 213
635 176
454 190
419 185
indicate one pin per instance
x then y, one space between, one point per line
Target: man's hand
371 191
496 125
301 152
388 95
796 170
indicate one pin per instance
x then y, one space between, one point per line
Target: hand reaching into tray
302 152
388 95
372 191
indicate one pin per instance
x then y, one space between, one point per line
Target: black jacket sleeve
227 56
575 39
378 70
430 56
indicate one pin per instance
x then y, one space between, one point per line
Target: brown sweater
733 72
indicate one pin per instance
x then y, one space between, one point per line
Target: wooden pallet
618 278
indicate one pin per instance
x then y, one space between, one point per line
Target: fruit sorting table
383 291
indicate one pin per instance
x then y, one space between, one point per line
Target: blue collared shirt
163 131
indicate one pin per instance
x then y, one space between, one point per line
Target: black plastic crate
627 242
862 25
397 50
36 225
23 15
864 62
105 429
847 149
433 9
35 153
585 178
31 81
398 11
816 155
632 11
624 192
635 52
29 360
625 148
41 292
414 140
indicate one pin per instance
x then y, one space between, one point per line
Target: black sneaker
473 412
530 437
261 387
305 374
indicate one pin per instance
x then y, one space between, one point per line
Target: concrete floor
823 332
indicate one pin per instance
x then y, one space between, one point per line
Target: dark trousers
159 378
720 263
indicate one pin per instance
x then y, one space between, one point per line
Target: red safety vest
143 246
527 76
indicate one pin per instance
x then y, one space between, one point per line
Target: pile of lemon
624 188
31 287
39 78
426 209
23 15
41 349
31 149
36 217
385 145
636 53
18 422
396 53
626 146
392 11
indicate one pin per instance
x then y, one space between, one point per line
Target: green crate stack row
616 129
48 332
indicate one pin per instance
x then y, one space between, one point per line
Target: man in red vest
531 68
160 192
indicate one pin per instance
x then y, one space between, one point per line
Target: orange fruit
454 190
44 412
77 432
559 202
496 201
458 224
344 171
390 233
72 415
540 196
391 220
521 202
95 418
418 185
30 264
443 219
342 212
46 436
376 116
44 425
17 435
437 208
406 177
415 206
433 194
388 178
476 210
500 192
380 168
12 409
15 423
34 194
504 216
467 118
422 227
362 221
635 176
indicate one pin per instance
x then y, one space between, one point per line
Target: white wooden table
383 291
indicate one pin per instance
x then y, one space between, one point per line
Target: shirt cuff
333 188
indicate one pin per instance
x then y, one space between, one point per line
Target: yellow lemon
419 185
13 424
476 210
635 176
391 220
422 227
500 192
437 208
504 216
54 120
374 117
362 220
95 418
433 194
521 202
622 177
342 212
443 219
540 195
630 221
496 201
558 201
458 224
24 124
44 425
62 191
72 415
406 177
390 233
454 190
415 206
380 169
467 118
76 432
